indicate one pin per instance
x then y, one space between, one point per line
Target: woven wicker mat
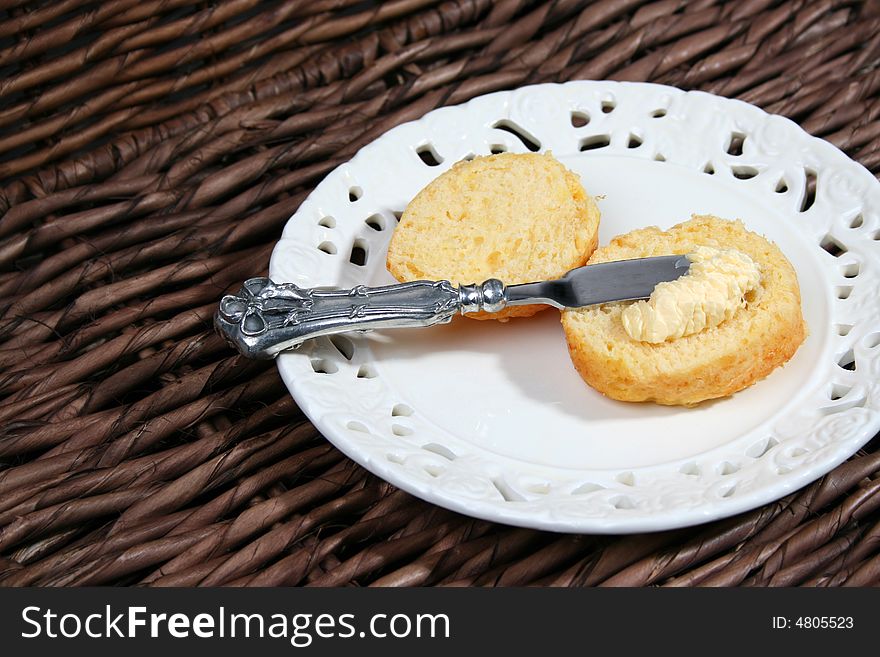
151 151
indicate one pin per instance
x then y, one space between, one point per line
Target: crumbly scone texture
515 217
713 363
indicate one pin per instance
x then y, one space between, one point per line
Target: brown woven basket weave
151 151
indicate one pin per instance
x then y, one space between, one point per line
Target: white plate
491 419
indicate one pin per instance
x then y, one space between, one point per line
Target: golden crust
713 363
515 217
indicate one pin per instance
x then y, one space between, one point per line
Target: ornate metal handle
265 318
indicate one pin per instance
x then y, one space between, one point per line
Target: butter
710 293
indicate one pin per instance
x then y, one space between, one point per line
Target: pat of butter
710 293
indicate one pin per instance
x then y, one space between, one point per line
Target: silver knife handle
265 318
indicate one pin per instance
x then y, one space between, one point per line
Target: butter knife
265 318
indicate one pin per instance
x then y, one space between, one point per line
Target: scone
515 217
713 362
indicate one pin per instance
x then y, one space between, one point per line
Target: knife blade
265 317
620 280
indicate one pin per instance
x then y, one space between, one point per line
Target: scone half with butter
734 318
515 217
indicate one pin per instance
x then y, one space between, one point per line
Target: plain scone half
715 362
515 217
